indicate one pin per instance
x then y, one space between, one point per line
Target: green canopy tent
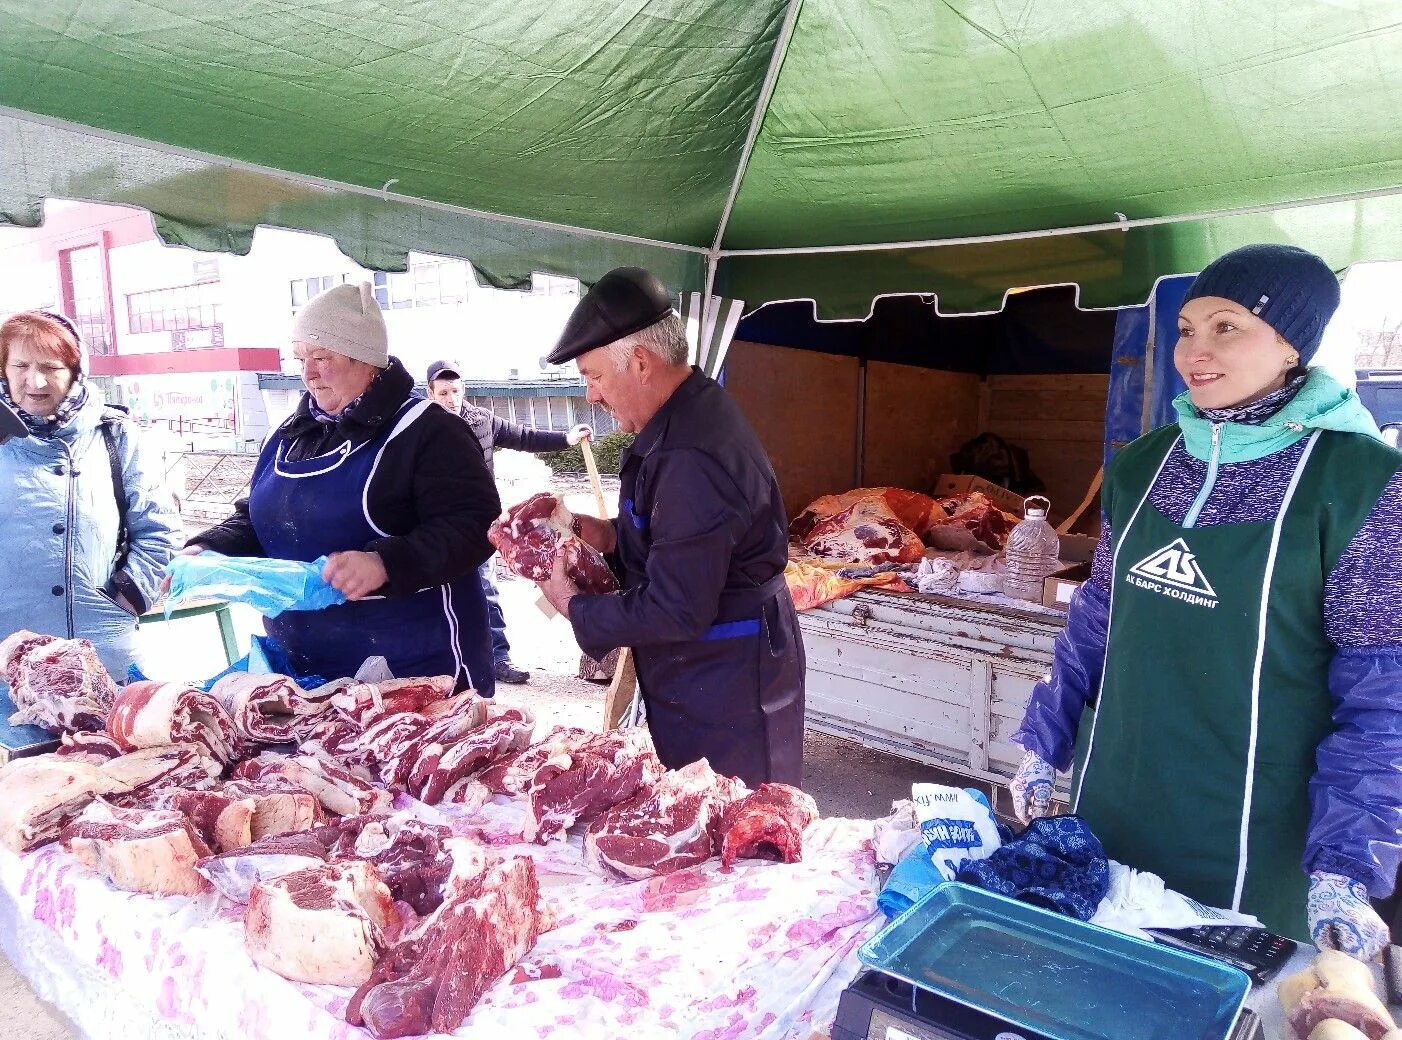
763 149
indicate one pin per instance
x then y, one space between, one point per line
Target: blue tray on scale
1054 975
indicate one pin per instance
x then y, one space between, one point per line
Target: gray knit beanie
346 319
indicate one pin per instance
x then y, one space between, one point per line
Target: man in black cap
700 545
492 432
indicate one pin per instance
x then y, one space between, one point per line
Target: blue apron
317 506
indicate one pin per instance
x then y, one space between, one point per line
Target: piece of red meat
91 745
139 850
664 828
13 649
512 775
338 790
578 786
438 767
431 980
867 532
151 714
959 518
366 702
767 824
410 855
59 684
222 822
531 533
267 709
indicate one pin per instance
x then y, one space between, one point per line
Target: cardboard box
962 484
1058 586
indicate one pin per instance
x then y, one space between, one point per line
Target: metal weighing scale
965 964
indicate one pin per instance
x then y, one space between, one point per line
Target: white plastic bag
956 825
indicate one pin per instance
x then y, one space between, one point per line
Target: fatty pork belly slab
664 828
60 684
40 795
324 924
579 785
139 850
530 534
767 824
266 708
151 714
432 979
338 790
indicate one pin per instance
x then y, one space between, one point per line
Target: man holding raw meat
699 547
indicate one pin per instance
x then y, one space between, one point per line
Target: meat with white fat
59 684
40 795
767 824
338 790
267 709
531 534
235 873
139 850
151 714
577 786
324 924
663 828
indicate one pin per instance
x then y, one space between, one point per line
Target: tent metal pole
1080 229
766 93
322 184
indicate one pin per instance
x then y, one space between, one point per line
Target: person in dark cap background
1239 642
700 545
492 432
395 492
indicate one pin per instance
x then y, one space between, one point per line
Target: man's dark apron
734 696
314 507
1215 694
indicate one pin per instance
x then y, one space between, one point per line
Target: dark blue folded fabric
1056 863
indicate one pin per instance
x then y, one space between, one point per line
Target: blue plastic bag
268 586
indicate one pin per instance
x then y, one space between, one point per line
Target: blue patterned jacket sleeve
1054 712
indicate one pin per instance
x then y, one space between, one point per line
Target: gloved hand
1341 918
1031 787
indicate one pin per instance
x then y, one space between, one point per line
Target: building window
179 309
553 285
303 289
86 296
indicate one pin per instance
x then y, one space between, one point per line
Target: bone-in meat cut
411 856
532 532
267 709
577 786
767 824
223 823
663 829
150 714
277 809
512 775
366 702
139 850
338 790
59 684
40 795
431 980
864 533
969 521
324 924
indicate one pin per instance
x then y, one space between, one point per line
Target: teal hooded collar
1323 403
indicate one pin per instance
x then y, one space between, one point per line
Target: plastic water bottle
1033 551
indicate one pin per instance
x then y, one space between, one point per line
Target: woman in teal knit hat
1240 641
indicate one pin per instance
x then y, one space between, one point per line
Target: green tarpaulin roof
988 144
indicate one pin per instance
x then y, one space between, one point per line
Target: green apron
1215 692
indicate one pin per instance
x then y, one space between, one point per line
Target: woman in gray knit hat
1240 639
391 488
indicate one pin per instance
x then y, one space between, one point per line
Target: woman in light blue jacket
74 562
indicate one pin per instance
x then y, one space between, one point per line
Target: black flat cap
622 302
445 369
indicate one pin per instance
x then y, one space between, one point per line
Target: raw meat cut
337 790
275 811
438 768
866 532
12 651
331 738
512 775
767 824
324 924
969 521
411 856
1334 987
90 745
397 765
267 709
150 714
235 873
577 786
662 829
910 508
146 774
531 533
59 684
223 823
40 795
366 702
139 850
432 979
